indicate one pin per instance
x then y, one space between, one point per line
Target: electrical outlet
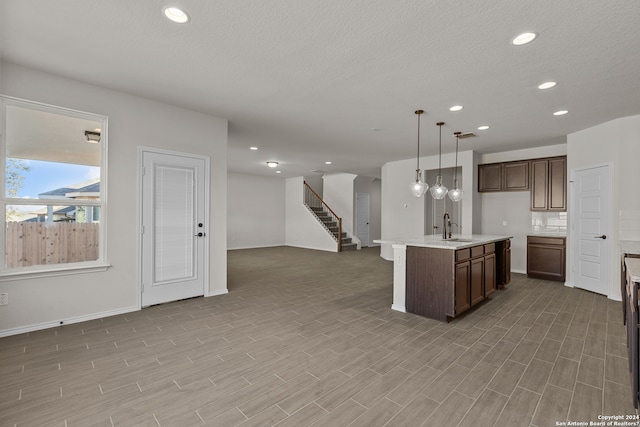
4 298
504 222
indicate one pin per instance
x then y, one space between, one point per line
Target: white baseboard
399 308
217 292
56 323
256 247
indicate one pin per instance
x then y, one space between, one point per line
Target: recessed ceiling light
523 38
327 163
483 127
272 164
278 171
456 108
547 85
253 148
560 113
176 15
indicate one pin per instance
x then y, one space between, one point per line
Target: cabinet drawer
463 254
489 248
477 251
535 240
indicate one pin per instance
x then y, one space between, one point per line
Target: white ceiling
308 81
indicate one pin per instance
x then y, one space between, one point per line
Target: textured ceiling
309 81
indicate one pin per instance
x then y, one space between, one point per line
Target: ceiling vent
319 171
467 135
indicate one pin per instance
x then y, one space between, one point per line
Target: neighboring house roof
85 189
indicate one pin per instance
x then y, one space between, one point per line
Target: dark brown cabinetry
549 184
444 283
546 257
510 176
546 178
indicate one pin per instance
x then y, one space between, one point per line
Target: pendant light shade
456 193
438 191
418 187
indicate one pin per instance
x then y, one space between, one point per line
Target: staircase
328 218
332 226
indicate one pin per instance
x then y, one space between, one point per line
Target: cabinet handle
603 237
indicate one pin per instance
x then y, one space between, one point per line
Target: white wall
302 228
255 211
373 186
133 121
616 143
402 214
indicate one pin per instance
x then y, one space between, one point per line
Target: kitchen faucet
446 222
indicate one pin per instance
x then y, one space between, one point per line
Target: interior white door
362 218
173 227
591 242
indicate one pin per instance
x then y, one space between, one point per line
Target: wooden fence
39 243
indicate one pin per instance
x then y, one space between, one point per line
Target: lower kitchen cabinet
477 280
490 283
546 257
444 283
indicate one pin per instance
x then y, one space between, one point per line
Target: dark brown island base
442 283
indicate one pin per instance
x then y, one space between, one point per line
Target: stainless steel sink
456 239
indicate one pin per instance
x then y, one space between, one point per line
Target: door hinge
143 171
142 231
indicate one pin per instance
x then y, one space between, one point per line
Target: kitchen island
441 279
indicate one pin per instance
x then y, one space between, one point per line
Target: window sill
36 273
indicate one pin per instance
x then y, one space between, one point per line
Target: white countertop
630 247
633 268
436 241
547 234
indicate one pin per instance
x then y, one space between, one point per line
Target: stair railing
313 200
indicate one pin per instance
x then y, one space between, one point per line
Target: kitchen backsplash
630 225
549 222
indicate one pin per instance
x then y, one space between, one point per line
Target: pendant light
419 187
455 194
438 191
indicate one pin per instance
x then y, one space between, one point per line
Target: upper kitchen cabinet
490 177
549 184
509 176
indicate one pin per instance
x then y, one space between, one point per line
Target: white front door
173 214
591 226
362 218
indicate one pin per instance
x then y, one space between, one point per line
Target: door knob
603 237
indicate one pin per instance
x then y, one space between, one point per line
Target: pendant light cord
440 151
455 171
418 155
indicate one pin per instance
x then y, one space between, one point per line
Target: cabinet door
463 277
489 177
515 176
539 183
546 261
557 184
489 274
477 280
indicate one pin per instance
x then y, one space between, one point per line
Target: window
54 162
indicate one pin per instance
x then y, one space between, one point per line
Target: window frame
34 271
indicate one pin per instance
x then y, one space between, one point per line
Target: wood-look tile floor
308 338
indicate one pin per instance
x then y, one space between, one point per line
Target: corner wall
133 121
256 211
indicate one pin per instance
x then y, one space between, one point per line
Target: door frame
368 218
207 191
571 234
